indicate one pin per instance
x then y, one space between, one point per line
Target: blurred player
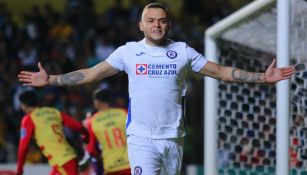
107 126
157 69
46 125
91 165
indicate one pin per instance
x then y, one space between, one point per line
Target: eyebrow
165 18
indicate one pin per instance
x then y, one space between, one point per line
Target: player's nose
156 23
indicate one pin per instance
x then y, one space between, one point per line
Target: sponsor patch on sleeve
23 133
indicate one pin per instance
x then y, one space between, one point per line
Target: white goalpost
211 88
282 105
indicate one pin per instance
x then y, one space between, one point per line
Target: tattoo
244 76
68 79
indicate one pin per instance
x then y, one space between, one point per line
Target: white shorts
155 156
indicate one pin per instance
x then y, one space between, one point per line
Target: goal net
247 112
246 116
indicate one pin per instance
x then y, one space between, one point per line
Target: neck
160 43
103 107
29 109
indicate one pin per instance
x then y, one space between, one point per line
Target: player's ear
141 26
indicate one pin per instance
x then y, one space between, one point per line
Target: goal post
211 105
282 105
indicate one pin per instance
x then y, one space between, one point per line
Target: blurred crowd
80 37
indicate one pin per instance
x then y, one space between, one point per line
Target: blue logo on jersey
137 170
171 54
23 133
139 54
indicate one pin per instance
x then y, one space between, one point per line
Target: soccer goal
241 119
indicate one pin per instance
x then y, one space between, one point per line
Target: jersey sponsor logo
139 54
141 69
171 54
156 70
23 133
137 170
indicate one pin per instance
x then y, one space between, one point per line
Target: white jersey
157 85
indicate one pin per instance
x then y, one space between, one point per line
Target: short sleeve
116 58
197 60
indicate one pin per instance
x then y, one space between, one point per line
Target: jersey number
57 131
118 138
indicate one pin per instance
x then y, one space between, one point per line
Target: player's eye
163 21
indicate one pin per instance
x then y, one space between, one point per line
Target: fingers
287 74
287 68
273 63
287 71
27 84
285 77
25 73
25 80
25 77
40 67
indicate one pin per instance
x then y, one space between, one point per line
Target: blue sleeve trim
129 114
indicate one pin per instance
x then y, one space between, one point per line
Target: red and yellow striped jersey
108 127
49 136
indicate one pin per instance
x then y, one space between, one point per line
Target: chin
158 40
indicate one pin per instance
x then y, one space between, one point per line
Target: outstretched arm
272 74
82 76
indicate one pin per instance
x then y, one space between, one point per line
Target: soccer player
157 70
107 126
46 124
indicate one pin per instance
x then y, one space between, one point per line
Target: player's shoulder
177 44
128 47
117 109
104 115
26 119
173 42
49 109
133 44
113 110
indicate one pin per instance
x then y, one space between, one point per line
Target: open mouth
157 32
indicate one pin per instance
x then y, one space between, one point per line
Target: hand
88 114
273 74
84 163
37 79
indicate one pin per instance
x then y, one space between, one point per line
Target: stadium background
72 34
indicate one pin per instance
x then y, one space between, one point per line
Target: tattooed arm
82 76
271 75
